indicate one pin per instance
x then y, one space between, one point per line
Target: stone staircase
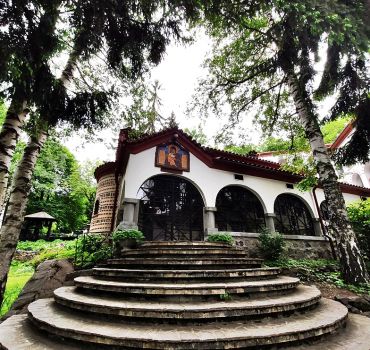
185 295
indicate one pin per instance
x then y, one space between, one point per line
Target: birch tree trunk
9 136
352 264
10 231
21 186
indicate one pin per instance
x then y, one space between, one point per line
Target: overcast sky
177 74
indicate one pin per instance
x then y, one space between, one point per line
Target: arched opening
171 209
96 207
292 216
356 180
239 210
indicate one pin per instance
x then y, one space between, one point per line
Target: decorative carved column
209 220
269 218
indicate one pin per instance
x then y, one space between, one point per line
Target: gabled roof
342 136
212 157
42 215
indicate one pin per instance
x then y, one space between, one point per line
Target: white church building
172 188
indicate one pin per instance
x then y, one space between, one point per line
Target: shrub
271 244
359 214
129 233
222 237
91 249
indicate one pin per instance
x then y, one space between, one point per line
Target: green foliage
296 144
197 134
271 244
222 237
91 249
19 274
304 166
225 297
332 129
359 214
242 149
57 249
61 187
3 110
319 270
129 233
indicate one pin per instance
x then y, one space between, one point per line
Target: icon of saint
172 156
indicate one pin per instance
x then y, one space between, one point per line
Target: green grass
19 275
56 249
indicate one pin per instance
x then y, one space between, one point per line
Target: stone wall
102 220
298 247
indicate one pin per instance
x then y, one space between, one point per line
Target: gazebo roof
41 215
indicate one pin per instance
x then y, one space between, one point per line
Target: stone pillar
317 227
130 214
209 221
269 218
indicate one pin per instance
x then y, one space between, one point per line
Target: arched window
292 216
96 207
171 208
239 210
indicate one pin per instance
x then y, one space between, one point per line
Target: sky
178 74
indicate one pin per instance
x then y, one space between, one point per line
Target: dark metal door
171 209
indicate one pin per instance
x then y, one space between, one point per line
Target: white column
130 214
269 218
209 220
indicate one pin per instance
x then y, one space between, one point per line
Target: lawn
21 271
19 274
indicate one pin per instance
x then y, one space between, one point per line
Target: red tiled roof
212 157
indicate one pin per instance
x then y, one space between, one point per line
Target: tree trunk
21 186
9 135
352 264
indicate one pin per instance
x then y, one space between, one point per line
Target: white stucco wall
210 181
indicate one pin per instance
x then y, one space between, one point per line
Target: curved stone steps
185 275
175 244
324 319
16 333
282 283
184 253
188 263
302 298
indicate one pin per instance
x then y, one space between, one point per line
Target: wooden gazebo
36 221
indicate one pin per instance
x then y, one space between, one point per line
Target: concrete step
17 334
324 319
282 283
188 263
181 244
185 275
184 252
303 297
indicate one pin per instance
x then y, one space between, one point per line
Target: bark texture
10 231
21 186
353 267
9 135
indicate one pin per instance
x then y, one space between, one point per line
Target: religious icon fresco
172 156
